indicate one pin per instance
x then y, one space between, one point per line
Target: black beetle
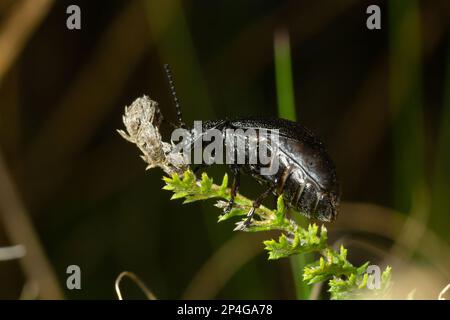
306 175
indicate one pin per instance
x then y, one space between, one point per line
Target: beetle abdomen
306 196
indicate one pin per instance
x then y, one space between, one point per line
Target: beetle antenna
174 96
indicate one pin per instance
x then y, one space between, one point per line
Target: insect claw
240 226
229 207
243 225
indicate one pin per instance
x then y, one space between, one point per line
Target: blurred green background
74 192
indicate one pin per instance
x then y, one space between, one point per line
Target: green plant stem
283 74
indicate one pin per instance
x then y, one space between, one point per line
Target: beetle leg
255 205
234 189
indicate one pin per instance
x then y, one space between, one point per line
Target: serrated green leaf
233 213
363 283
345 280
224 185
362 269
179 195
280 212
206 183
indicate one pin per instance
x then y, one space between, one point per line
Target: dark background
379 99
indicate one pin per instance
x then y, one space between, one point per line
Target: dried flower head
142 120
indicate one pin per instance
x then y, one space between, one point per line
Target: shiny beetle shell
306 175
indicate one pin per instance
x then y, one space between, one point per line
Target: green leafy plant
345 280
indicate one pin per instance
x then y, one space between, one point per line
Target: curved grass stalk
345 280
